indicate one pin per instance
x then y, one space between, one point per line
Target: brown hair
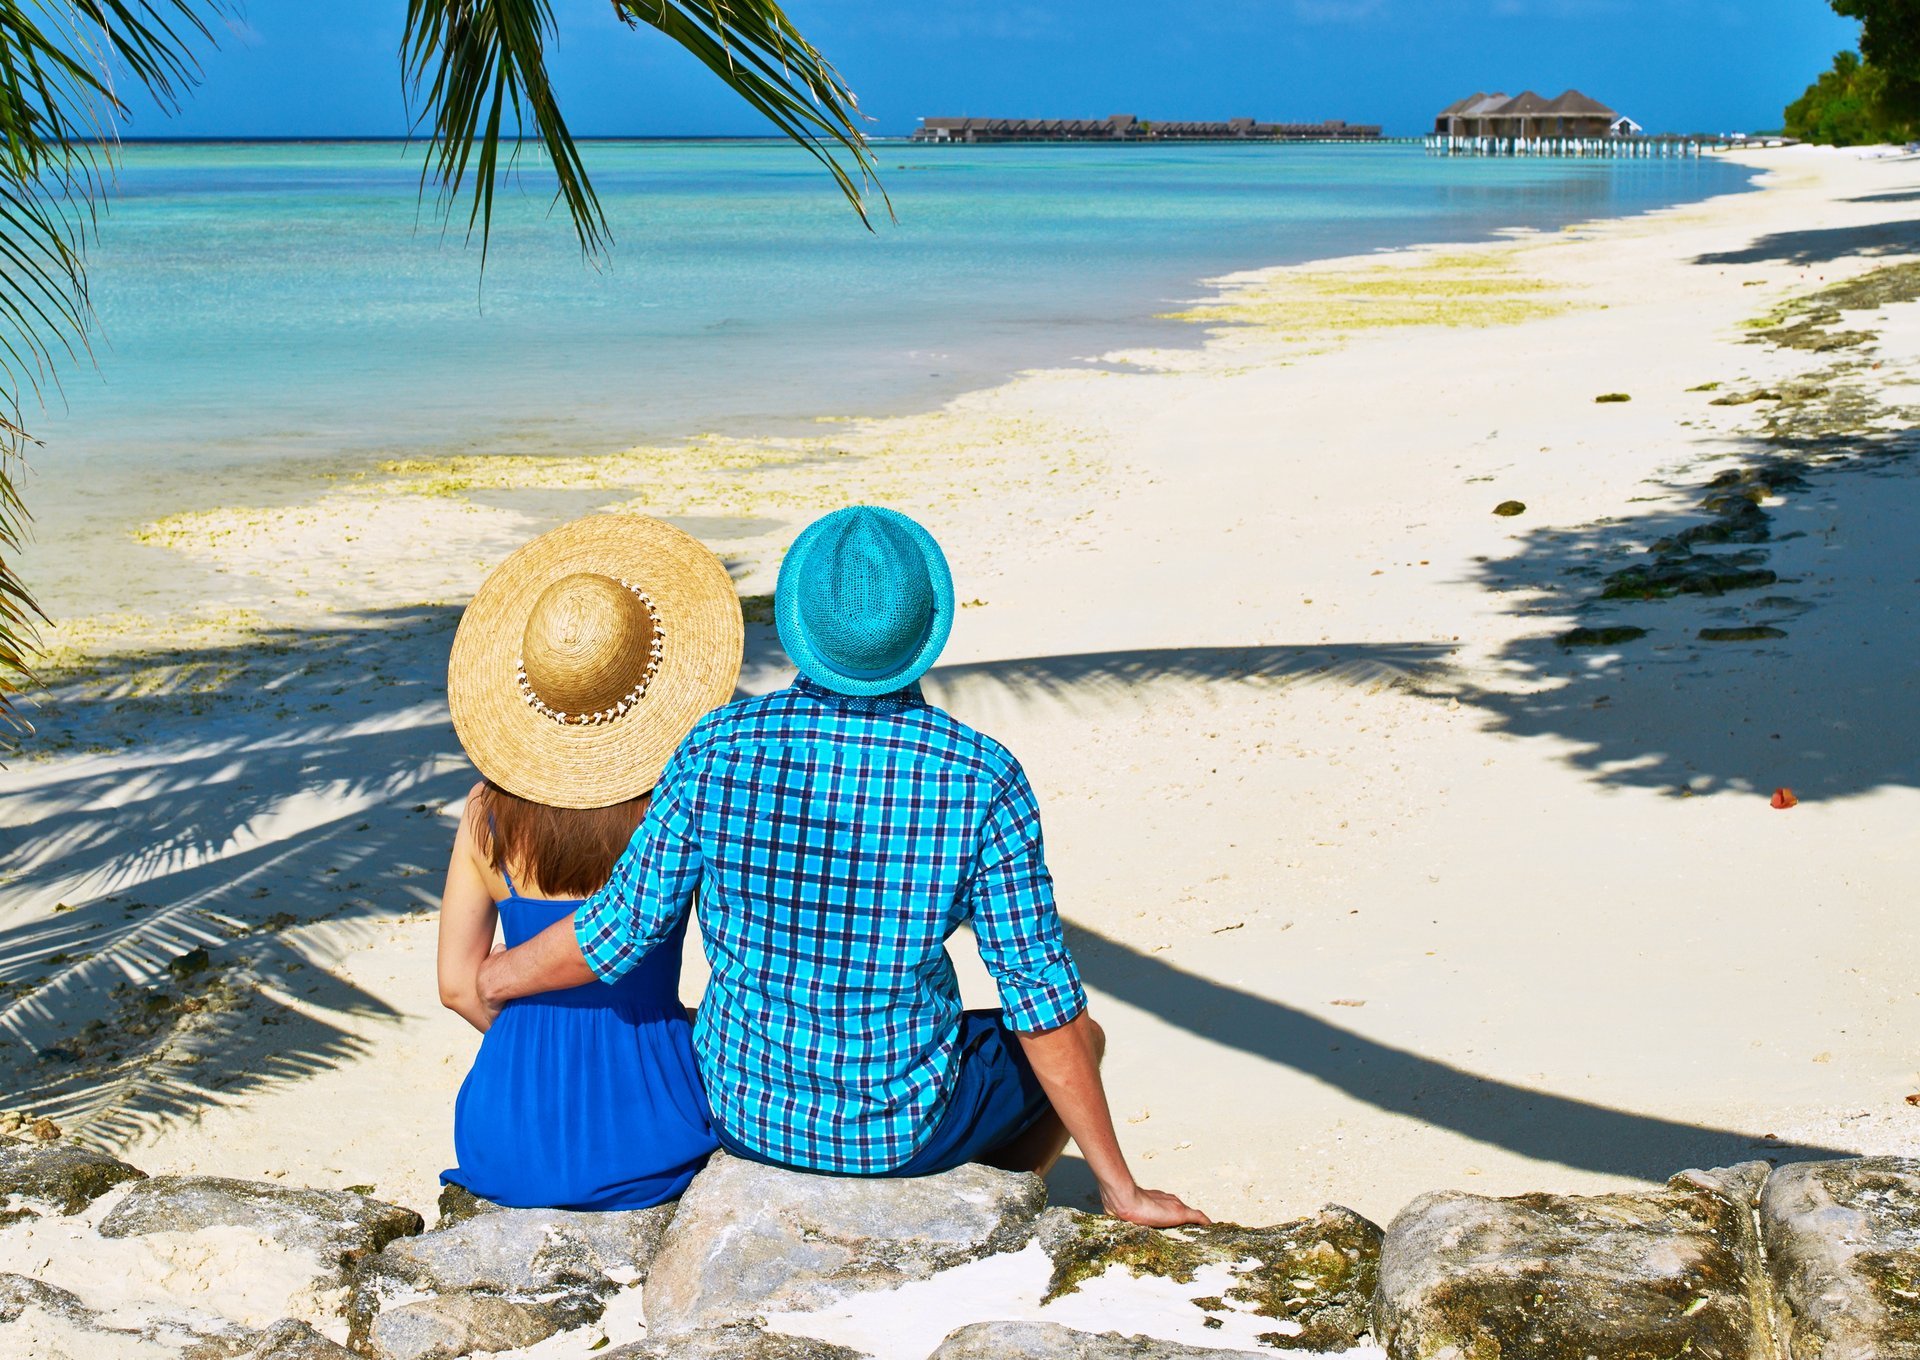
567 852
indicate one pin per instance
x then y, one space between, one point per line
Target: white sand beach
1378 888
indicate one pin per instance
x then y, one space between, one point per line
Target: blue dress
586 1098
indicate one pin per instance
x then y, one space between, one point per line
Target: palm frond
473 64
62 67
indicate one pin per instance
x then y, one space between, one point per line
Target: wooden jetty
1636 147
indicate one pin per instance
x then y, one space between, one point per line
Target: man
835 834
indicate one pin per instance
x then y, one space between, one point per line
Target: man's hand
1151 1208
1067 1062
548 962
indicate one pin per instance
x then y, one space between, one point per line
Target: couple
832 835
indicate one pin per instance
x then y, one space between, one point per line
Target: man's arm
548 962
1044 1002
1067 1062
648 894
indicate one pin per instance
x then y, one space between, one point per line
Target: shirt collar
907 697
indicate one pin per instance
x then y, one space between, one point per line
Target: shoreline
1309 755
90 495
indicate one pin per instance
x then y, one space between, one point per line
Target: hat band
620 707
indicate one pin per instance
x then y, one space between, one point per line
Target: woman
578 668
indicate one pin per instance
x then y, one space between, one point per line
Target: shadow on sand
212 806
1823 245
1535 1124
1827 707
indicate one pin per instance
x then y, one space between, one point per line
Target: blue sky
1676 65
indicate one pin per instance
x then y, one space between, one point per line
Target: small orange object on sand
1783 798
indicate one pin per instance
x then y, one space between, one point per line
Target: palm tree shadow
1820 698
1823 245
1535 1124
985 690
1081 677
220 823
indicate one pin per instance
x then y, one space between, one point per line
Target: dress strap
491 835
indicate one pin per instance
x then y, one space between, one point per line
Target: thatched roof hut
1527 117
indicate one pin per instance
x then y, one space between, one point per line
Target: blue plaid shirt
834 844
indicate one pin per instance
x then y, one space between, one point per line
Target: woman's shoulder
471 836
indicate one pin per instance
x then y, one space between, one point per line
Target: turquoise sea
273 309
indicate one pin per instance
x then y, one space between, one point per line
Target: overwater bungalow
1528 117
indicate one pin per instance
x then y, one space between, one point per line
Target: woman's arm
467 917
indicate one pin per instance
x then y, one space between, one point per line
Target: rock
1690 575
1508 509
458 1204
1843 1246
64 1176
750 1239
1551 1277
450 1325
338 1226
1749 633
39 1321
549 1256
44 1129
1050 1341
1610 636
1737 520
287 1339
18 1293
732 1343
528 1250
1314 1276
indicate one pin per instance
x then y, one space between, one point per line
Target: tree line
1872 95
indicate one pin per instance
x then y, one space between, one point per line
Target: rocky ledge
1744 1263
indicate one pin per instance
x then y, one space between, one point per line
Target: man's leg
1039 1148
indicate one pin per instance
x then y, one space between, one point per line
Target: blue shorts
995 1099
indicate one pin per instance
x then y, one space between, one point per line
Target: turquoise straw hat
864 602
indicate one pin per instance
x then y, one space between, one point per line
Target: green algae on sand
1318 1273
1611 636
1472 290
1807 322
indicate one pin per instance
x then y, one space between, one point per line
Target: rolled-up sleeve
651 889
1010 897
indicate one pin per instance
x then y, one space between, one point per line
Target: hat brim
799 647
582 766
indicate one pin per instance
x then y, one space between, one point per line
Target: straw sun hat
588 654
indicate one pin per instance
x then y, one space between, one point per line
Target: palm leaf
62 64
478 66
473 64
